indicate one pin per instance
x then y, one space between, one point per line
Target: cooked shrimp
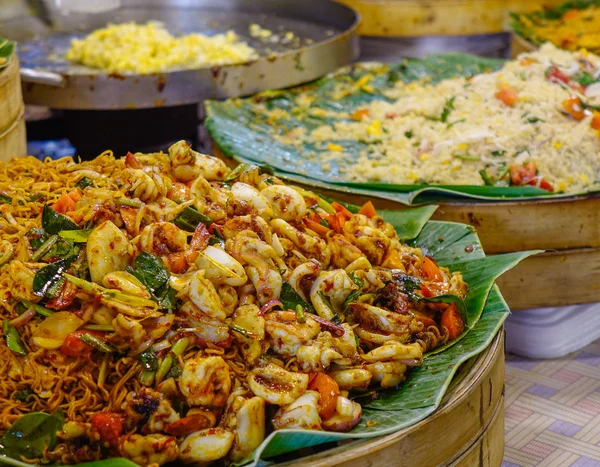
205 381
220 267
378 325
285 334
329 292
205 327
315 247
163 238
250 196
187 164
287 203
370 240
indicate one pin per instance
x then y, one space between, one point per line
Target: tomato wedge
453 322
64 204
431 270
328 391
109 426
368 210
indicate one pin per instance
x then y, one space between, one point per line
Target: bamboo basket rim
454 397
9 72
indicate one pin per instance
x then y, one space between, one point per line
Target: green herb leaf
97 343
7 50
189 218
290 299
22 395
84 182
409 134
78 236
151 272
498 153
31 434
466 157
49 277
148 360
357 293
36 237
5 199
53 222
534 120
13 339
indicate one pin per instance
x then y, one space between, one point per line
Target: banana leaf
246 135
523 30
457 247
7 50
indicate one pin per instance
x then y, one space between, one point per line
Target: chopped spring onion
300 317
99 327
45 248
97 343
13 339
38 308
176 351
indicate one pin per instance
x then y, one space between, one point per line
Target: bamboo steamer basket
409 18
12 121
466 430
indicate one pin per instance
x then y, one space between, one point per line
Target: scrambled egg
149 48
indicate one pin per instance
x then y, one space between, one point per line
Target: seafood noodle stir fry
162 307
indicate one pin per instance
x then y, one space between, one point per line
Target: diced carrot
316 227
527 61
359 114
393 260
426 291
431 270
391 115
342 210
570 14
328 391
507 95
109 426
574 108
336 222
64 204
368 210
177 262
453 322
596 120
75 195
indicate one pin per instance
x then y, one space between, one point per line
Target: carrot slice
392 260
316 227
368 210
453 322
342 210
507 95
574 108
64 204
328 391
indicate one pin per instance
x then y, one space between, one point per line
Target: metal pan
324 39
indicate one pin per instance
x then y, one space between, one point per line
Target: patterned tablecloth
552 410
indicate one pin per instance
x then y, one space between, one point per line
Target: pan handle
48 78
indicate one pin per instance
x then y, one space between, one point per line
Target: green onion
45 248
147 377
241 330
39 309
96 289
97 343
189 218
99 327
300 314
466 157
13 340
176 351
78 236
324 205
133 203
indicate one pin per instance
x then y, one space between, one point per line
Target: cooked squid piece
168 303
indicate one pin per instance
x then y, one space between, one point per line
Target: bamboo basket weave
12 121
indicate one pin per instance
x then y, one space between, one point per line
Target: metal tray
325 35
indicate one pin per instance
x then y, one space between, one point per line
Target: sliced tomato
336 222
431 270
328 391
555 75
522 174
109 426
73 346
453 322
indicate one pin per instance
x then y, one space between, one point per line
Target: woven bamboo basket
466 430
402 18
12 122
